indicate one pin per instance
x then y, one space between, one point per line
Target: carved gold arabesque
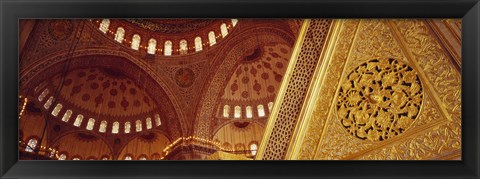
379 100
423 103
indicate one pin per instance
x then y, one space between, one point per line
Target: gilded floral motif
379 100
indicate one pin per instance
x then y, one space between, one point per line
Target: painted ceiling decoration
171 26
252 87
129 89
167 36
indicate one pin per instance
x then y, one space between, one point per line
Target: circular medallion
184 77
60 29
379 99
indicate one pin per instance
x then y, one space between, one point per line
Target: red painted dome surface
259 74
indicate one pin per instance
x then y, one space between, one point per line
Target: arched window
270 106
32 143
183 47
198 44
238 112
149 122
158 122
167 51
128 157
104 25
48 103
43 95
261 111
226 111
224 30
52 153
135 42
253 149
103 126
211 38
78 120
62 157
138 126
57 109
120 34
90 124
76 158
67 115
142 158
115 127
234 22
249 111
104 158
152 46
127 127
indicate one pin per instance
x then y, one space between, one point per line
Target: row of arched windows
238 111
141 157
167 49
64 156
91 121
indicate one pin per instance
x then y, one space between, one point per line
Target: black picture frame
468 10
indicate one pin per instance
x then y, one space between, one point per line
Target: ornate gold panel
379 99
395 69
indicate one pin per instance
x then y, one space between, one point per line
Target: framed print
240 89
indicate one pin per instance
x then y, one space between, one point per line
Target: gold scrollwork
380 99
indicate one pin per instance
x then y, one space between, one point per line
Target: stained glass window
234 22
120 34
249 111
43 95
138 126
183 47
152 46
57 109
224 30
158 122
128 157
253 149
261 110
198 44
149 122
115 127
168 48
90 124
104 25
270 106
78 120
127 127
226 111
48 103
62 157
135 42
211 38
238 112
32 143
67 115
103 126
